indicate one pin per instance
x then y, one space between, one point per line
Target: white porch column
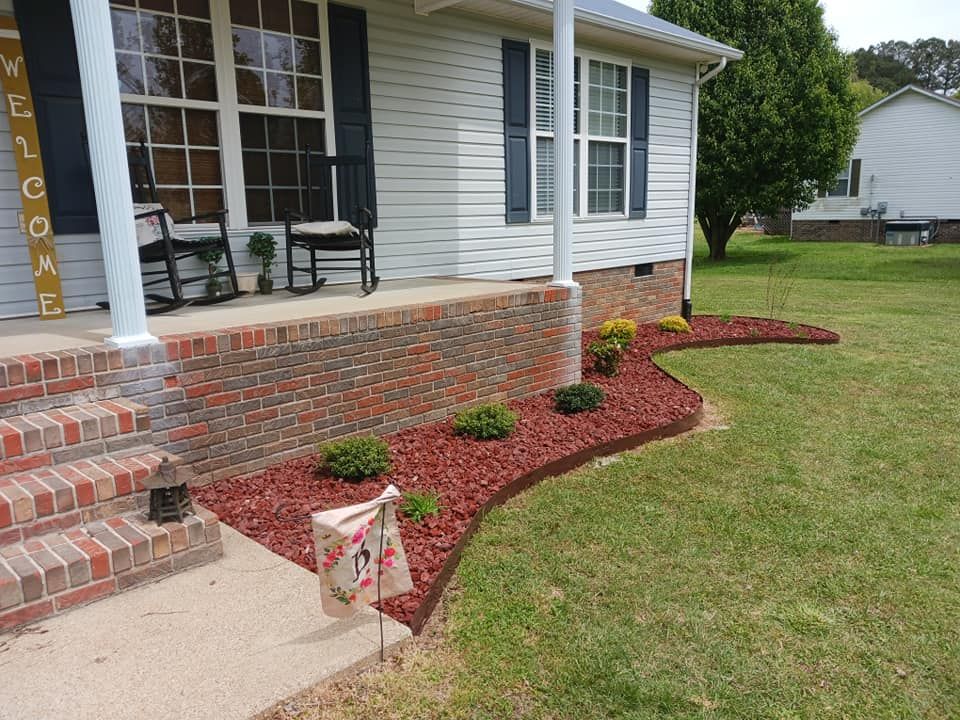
563 143
108 158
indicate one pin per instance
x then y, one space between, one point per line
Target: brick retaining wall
861 231
231 402
618 292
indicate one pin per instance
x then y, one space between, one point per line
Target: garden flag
354 544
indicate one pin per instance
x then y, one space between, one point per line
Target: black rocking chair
353 189
170 249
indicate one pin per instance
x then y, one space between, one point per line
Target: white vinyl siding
909 151
437 100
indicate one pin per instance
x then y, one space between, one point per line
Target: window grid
842 186
600 163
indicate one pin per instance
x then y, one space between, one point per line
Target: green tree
886 72
775 124
864 93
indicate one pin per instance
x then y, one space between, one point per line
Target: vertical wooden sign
33 186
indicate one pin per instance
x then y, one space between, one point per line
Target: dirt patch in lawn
642 403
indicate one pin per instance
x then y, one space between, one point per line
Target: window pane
309 93
608 100
245 12
163 78
546 182
274 176
305 19
161 5
130 73
605 177
126 35
184 150
200 81
247 49
277 52
276 15
250 90
194 8
159 34
545 91
308 56
197 39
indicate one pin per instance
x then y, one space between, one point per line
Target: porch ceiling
26 336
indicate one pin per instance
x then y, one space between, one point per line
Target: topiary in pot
262 246
355 458
212 256
606 356
494 421
674 324
621 331
577 398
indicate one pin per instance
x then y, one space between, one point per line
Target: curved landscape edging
578 459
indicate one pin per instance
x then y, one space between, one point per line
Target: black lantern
169 498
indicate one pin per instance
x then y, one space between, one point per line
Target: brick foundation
861 231
618 292
231 402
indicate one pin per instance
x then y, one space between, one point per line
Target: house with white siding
905 169
523 170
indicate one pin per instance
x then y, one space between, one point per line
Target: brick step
36 440
52 573
61 497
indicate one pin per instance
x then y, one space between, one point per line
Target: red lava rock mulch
273 506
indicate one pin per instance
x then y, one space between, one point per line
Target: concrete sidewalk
223 641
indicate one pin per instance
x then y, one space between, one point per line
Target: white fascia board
425 7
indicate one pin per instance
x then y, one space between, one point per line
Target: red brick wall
861 231
234 401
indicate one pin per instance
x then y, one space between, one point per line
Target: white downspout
687 305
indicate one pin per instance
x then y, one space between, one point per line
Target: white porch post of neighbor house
108 159
563 143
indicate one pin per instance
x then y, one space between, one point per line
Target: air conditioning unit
907 233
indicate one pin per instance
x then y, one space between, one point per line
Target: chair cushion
148 228
329 227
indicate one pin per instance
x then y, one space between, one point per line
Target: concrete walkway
226 640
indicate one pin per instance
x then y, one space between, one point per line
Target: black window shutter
639 140
352 116
854 178
50 53
516 122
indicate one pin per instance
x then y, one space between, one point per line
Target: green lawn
802 563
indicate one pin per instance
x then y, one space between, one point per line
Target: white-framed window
226 95
600 143
842 187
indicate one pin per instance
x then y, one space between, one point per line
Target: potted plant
263 246
212 256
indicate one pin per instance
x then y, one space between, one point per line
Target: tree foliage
774 124
865 94
932 63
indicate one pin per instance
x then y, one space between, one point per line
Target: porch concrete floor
225 640
78 329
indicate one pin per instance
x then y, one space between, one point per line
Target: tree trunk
718 228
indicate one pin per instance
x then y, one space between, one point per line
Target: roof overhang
595 27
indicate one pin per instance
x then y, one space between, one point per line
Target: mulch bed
273 507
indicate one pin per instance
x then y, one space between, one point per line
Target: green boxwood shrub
577 398
486 422
607 355
355 458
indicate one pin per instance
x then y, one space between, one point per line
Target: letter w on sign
356 546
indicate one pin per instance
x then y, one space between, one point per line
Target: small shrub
356 458
577 398
620 331
725 318
417 506
606 356
494 421
674 324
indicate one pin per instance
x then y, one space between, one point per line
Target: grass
804 563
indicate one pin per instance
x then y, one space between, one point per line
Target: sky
860 23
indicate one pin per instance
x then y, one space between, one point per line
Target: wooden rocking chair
169 249
316 231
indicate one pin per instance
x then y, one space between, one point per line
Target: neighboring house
908 159
436 87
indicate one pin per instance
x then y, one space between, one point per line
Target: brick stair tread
38 433
59 497
50 573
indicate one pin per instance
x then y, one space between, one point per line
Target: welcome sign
33 186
